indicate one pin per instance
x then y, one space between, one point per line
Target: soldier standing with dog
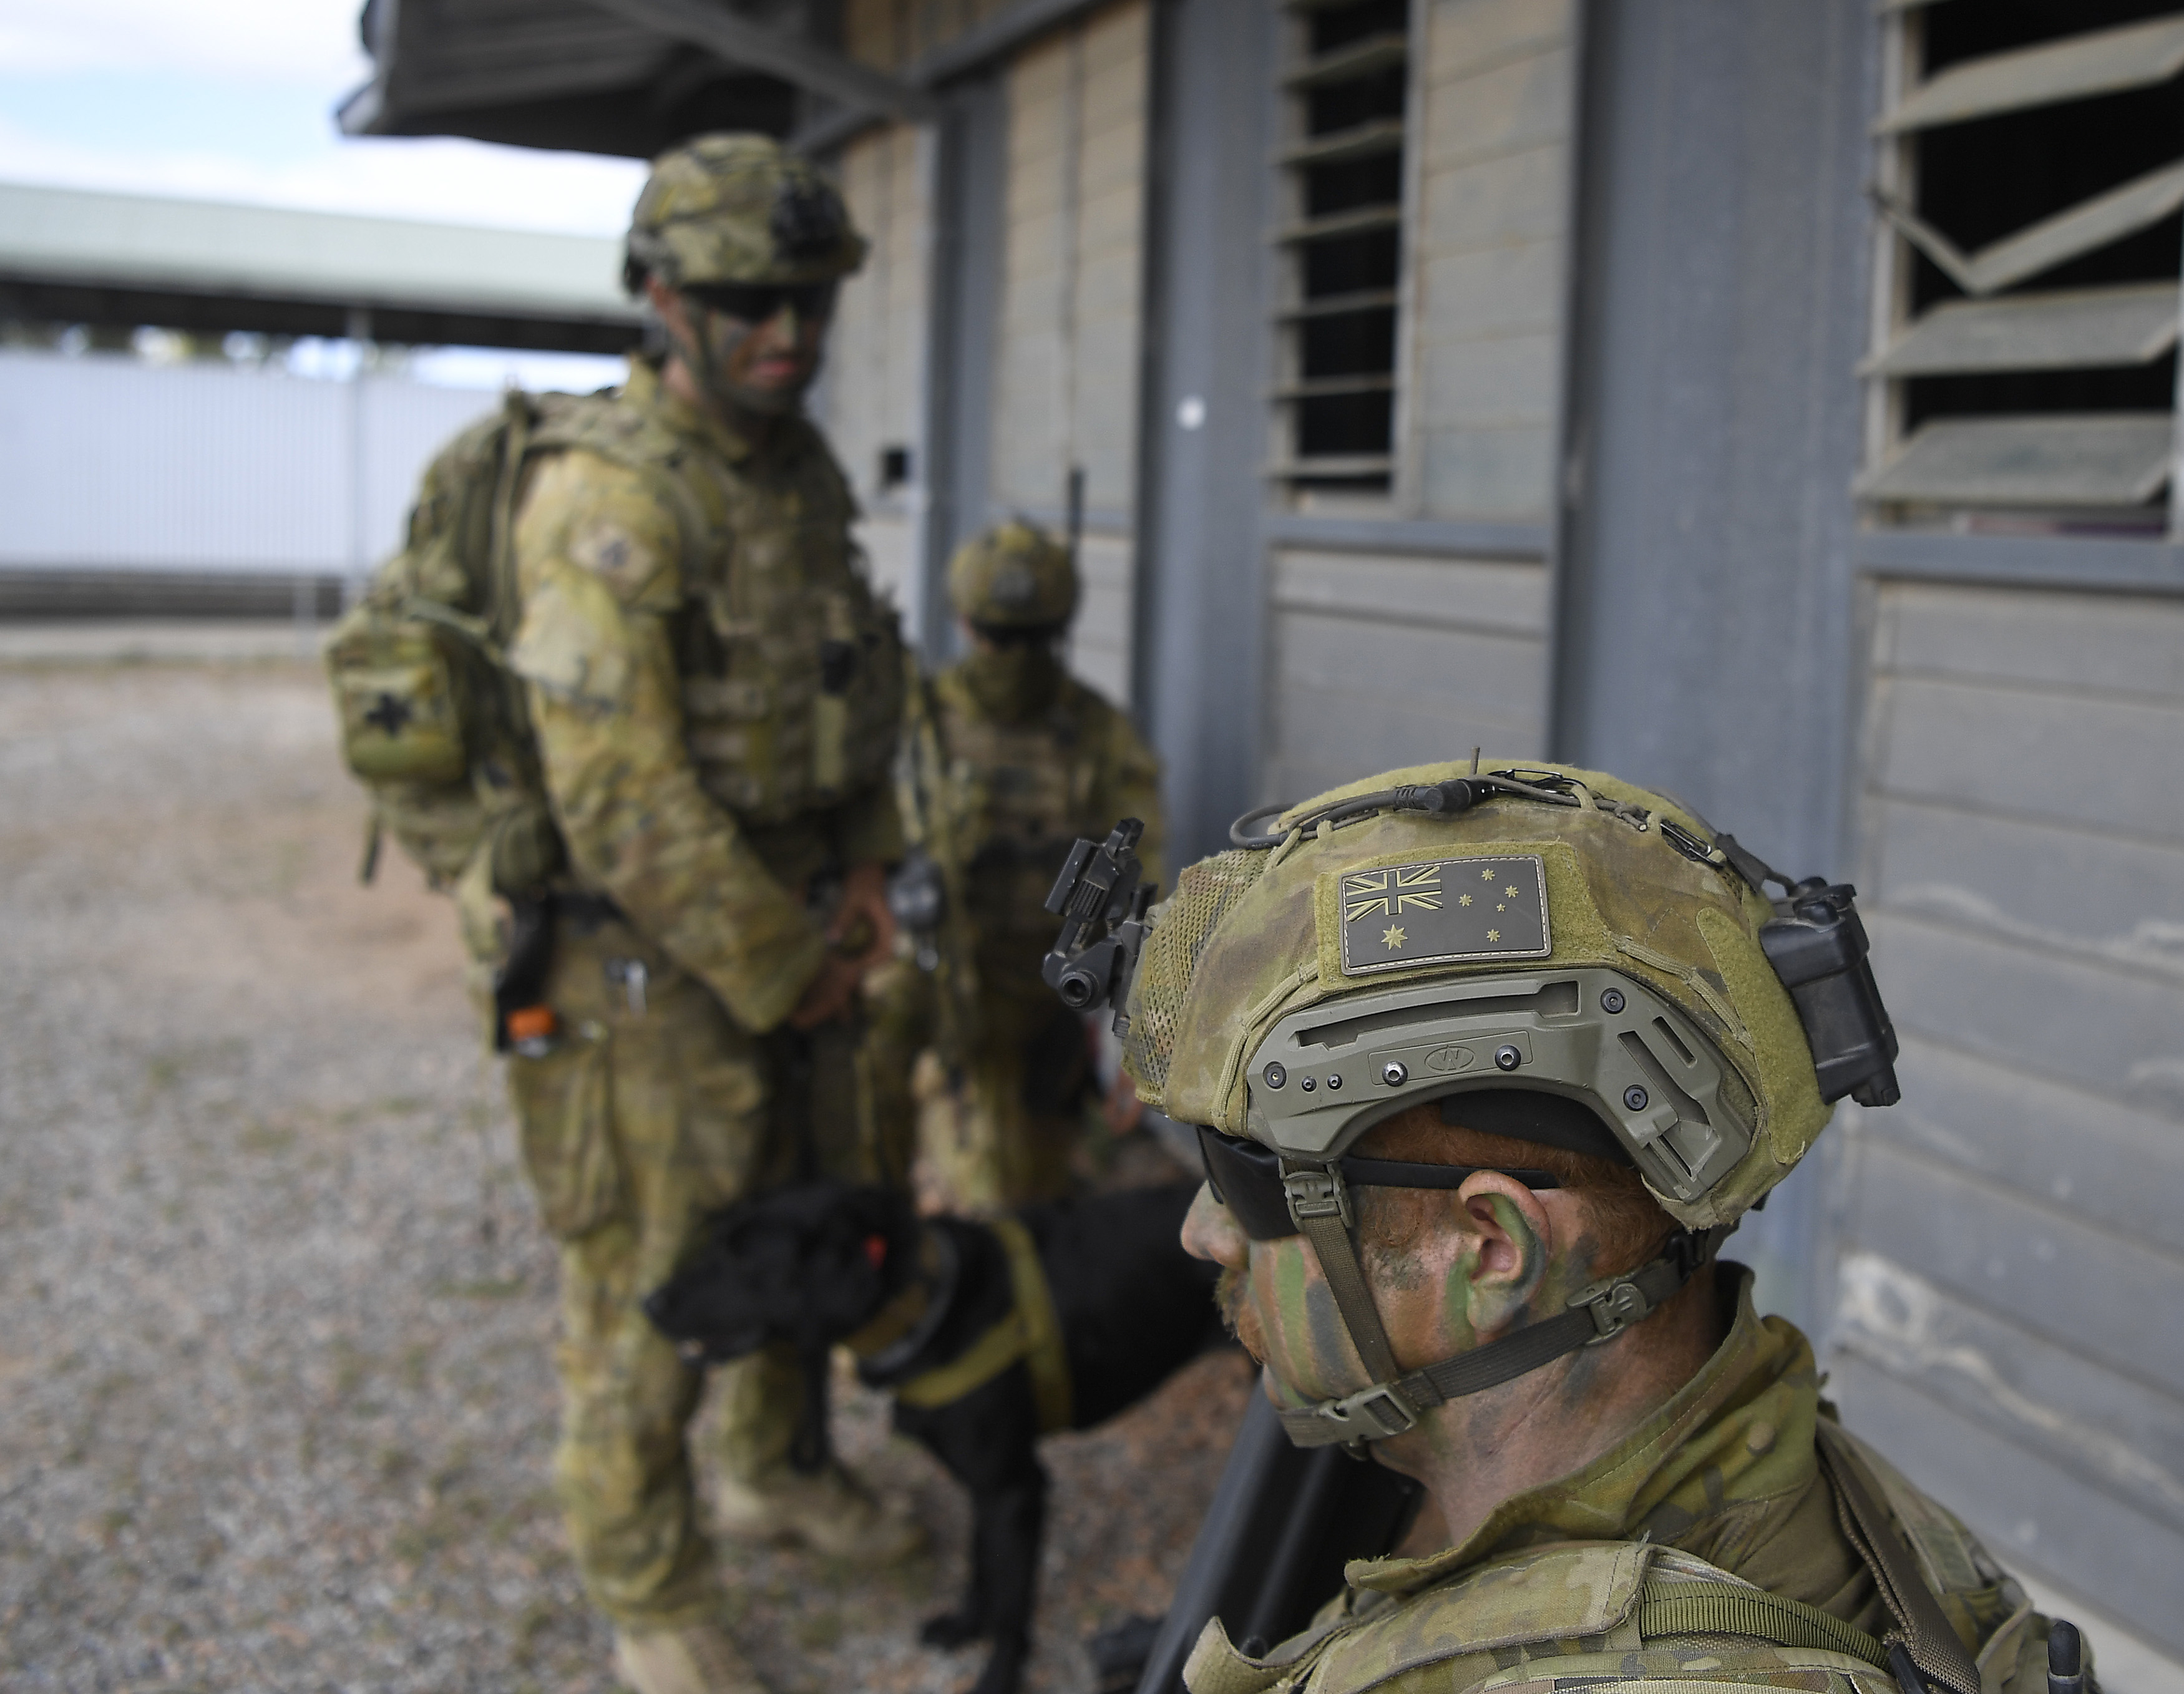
1011 757
697 745
1486 1066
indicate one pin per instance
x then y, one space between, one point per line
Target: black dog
951 1316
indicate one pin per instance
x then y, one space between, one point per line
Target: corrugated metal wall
106 462
2010 1318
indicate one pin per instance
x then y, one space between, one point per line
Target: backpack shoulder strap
1722 1606
622 434
520 415
1924 1650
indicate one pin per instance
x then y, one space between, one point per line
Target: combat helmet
1556 955
737 208
1015 576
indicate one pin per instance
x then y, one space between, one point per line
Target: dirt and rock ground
275 1400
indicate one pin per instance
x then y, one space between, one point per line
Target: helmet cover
1602 950
1015 576
739 208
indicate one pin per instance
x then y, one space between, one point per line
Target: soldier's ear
1510 1240
666 303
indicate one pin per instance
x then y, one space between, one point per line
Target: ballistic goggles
755 303
1246 1178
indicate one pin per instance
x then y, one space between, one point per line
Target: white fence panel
109 462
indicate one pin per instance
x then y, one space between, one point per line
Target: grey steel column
1200 604
966 275
1705 603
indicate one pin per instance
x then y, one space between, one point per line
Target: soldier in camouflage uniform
1010 760
1486 1066
715 696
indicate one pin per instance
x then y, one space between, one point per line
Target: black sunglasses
755 303
1246 1178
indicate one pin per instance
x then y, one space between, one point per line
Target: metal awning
612 76
635 76
74 256
2083 459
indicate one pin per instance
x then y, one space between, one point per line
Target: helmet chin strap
1319 1204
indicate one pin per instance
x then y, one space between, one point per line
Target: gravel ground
276 1403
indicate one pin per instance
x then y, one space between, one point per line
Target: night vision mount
1102 903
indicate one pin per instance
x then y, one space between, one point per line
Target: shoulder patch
571 644
614 521
611 550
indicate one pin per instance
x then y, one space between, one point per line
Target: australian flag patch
1443 910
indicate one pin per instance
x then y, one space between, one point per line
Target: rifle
1284 1522
925 894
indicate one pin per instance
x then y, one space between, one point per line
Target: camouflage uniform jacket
714 690
1556 1584
1017 793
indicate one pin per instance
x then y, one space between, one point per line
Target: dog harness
1027 1331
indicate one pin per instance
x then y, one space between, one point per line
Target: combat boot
830 1512
696 1658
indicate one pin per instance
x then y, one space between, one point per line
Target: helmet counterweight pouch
1818 947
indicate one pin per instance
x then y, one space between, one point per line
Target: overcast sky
234 99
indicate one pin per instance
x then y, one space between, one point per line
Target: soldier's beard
1011 684
713 355
1242 1322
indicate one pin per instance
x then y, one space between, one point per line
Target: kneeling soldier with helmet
1486 1066
1010 758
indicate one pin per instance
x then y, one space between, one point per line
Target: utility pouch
438 824
564 1103
402 696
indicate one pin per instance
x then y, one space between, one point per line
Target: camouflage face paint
1303 1342
763 367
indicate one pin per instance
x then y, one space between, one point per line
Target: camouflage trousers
994 1130
654 1110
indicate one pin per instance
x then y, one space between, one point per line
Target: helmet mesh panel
1204 895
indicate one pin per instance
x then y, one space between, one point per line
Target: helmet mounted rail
1101 901
1816 943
